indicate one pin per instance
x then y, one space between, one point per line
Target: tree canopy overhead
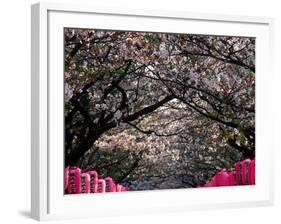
135 101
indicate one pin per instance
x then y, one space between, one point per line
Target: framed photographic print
148 111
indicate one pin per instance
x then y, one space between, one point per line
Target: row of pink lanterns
243 174
77 182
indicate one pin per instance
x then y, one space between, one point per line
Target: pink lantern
243 174
252 172
216 180
232 178
101 186
110 186
245 171
238 169
118 187
85 183
93 181
222 178
74 186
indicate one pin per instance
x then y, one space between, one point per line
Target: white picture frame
48 200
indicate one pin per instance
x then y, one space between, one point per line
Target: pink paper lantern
109 185
101 186
252 172
93 181
238 171
85 183
232 178
245 171
222 178
74 186
118 188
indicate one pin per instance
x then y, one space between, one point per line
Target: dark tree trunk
73 157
